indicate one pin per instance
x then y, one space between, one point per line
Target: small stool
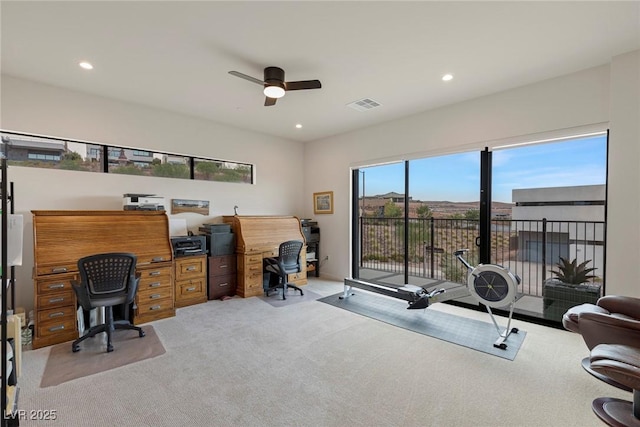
622 364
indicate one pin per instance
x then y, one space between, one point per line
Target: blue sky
457 177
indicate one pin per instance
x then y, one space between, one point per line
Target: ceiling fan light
274 91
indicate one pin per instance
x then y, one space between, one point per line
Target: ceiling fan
274 84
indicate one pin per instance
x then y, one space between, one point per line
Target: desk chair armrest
271 261
598 328
131 295
629 306
82 294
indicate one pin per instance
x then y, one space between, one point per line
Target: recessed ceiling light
86 65
298 126
447 77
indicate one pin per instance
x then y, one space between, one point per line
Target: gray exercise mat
448 327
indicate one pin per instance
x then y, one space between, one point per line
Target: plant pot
558 297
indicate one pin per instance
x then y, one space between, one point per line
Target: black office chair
106 280
288 262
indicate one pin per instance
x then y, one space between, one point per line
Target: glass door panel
381 221
548 206
443 217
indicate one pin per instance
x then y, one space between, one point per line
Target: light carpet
458 330
243 363
64 365
293 297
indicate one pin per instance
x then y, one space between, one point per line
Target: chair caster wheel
514 330
501 346
141 334
109 348
75 348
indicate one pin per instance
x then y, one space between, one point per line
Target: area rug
458 330
64 365
293 297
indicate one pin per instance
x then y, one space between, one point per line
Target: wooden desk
258 237
61 238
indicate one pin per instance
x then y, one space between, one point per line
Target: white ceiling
176 55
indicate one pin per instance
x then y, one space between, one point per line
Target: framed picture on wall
323 202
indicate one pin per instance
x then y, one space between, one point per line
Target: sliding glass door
529 208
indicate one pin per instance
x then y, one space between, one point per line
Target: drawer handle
223 266
191 268
155 273
56 314
56 328
60 299
59 270
154 284
223 284
155 296
191 289
56 286
157 259
155 307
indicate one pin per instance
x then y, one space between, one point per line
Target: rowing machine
492 285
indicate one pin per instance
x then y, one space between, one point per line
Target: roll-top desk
258 237
61 238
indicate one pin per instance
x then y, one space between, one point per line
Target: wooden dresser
61 238
258 237
191 280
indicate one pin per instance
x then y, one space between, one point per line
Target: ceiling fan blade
244 76
269 101
305 84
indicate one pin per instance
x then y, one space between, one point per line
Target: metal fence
529 248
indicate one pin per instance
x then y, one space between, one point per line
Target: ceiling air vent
364 104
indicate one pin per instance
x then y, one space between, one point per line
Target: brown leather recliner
613 319
621 363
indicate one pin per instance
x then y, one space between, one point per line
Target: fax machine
143 202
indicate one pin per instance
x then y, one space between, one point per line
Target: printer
142 202
188 245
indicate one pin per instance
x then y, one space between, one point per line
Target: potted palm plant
571 285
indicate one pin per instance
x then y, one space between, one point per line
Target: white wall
586 99
623 214
41 109
605 94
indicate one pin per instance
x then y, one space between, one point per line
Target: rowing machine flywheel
493 285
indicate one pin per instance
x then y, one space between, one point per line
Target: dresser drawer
149 306
55 284
253 269
56 327
190 267
154 284
59 299
58 268
220 265
252 258
297 276
56 314
153 294
187 289
155 274
222 285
